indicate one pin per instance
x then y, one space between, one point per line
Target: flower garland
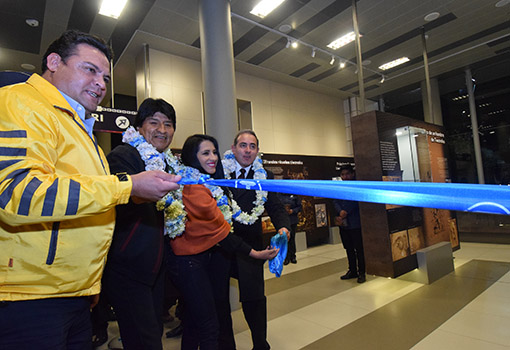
230 166
171 203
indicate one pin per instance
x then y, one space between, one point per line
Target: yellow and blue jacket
57 199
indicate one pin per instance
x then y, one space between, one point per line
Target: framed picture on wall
321 218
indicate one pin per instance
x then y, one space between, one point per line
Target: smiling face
83 76
207 156
246 149
158 130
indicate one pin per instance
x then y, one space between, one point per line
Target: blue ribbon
493 199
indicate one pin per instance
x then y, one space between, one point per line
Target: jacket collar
51 93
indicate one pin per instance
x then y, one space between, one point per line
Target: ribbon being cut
492 199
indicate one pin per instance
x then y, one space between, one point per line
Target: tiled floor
309 307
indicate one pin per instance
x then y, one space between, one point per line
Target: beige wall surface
287 120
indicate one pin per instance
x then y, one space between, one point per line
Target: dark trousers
138 308
353 244
291 246
46 324
190 274
252 297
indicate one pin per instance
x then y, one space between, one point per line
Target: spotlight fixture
313 53
342 64
332 60
294 44
382 79
394 63
288 43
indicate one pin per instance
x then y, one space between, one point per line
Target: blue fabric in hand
276 264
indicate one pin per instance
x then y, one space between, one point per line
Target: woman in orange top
206 229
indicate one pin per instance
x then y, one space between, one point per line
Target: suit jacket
252 234
250 273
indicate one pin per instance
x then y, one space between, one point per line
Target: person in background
348 219
133 280
57 198
206 230
243 162
292 205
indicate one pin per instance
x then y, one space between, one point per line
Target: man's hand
94 299
265 254
284 231
343 214
151 186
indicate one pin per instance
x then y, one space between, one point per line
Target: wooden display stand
393 234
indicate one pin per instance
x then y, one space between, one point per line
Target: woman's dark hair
151 106
65 46
190 151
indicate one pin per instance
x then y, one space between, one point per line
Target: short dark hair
347 167
190 150
65 46
246 131
151 106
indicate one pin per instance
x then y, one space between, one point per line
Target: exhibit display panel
391 147
317 213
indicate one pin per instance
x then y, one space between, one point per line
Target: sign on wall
113 120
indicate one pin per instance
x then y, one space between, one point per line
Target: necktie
242 172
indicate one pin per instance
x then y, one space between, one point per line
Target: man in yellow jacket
57 197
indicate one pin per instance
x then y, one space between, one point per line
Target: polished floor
309 307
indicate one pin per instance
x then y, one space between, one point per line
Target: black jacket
138 246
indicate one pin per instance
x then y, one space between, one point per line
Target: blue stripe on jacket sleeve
26 197
13 152
7 163
49 201
17 176
74 198
13 134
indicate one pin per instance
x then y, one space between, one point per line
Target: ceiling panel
390 28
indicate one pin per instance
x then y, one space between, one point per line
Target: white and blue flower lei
171 203
230 166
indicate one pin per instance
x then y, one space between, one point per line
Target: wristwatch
122 176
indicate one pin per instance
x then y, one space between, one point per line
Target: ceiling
473 33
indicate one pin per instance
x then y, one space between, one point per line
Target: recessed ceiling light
431 16
285 28
263 8
27 66
394 63
502 3
342 41
112 8
32 22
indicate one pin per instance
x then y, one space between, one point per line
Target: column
218 71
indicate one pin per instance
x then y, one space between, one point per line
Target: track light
294 44
382 79
332 60
313 53
288 43
342 64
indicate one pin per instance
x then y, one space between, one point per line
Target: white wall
286 119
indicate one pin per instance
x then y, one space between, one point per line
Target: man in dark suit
248 271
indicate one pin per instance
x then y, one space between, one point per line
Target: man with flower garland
57 197
247 206
134 275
